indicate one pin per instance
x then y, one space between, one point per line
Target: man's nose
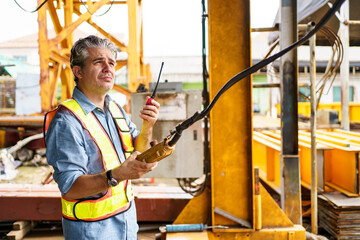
107 67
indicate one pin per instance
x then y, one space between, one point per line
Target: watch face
113 182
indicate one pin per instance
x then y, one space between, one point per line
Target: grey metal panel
187 159
320 169
314 10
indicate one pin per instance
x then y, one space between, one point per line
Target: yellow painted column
44 59
230 119
134 13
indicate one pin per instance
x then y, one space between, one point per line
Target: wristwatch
111 180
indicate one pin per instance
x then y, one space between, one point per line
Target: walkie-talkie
148 101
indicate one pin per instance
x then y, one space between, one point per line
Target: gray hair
79 52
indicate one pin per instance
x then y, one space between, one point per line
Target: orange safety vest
117 199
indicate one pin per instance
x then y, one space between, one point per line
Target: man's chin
108 86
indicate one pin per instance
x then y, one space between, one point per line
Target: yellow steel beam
291 233
327 139
65 39
54 16
138 71
55 52
347 133
120 64
230 119
78 3
45 91
67 84
103 32
341 163
275 224
266 156
60 58
54 76
232 197
68 13
197 210
134 47
304 156
352 138
68 29
354 109
341 171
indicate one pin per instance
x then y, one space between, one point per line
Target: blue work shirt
72 152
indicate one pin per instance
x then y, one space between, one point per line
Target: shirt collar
85 103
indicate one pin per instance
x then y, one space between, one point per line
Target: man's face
98 73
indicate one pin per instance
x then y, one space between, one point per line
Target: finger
151 108
134 155
153 165
148 113
155 104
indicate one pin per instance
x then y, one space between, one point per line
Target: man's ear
77 71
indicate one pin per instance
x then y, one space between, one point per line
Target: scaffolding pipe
290 166
314 183
352 22
345 66
276 28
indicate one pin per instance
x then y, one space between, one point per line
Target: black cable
265 62
112 2
185 183
197 116
31 11
205 94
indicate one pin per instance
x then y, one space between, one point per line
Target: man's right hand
132 168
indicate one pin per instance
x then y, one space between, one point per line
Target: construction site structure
55 53
234 205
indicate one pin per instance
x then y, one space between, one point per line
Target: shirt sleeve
65 150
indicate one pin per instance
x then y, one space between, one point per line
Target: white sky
171 27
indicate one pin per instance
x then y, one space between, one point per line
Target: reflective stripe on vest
124 130
117 198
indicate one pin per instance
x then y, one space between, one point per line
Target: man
90 144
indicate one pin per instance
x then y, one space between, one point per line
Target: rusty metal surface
25 121
289 161
29 202
37 202
30 208
340 201
340 215
159 210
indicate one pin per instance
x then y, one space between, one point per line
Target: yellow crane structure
54 53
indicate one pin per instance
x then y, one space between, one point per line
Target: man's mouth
107 78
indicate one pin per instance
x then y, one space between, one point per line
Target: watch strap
109 175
